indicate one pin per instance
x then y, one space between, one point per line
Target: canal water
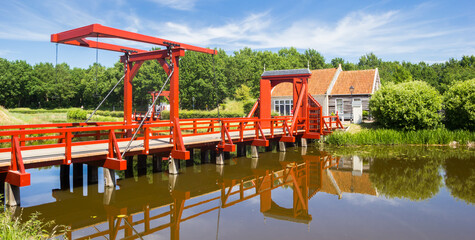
313 193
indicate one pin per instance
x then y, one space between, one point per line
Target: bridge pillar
191 161
254 162
78 176
109 178
129 172
281 156
254 152
212 155
142 164
281 146
157 163
173 166
64 176
241 150
304 151
109 194
204 155
12 195
172 182
92 179
303 142
220 158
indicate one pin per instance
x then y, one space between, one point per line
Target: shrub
77 114
407 106
459 103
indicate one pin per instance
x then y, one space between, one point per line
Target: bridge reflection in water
148 204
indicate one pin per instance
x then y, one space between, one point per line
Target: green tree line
202 77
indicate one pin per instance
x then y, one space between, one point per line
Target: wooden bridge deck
101 149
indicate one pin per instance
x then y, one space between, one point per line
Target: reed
440 136
12 227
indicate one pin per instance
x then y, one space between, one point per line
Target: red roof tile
361 80
318 83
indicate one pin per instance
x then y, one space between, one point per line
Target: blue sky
431 31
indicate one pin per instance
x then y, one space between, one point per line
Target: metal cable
148 112
120 80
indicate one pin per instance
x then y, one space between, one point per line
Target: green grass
13 228
439 136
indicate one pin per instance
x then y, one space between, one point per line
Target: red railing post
272 122
67 159
22 143
146 140
195 131
241 131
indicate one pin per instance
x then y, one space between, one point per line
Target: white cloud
390 32
185 5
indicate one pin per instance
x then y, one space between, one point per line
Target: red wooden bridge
105 143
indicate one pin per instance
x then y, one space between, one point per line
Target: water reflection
460 178
151 205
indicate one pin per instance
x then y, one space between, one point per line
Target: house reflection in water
148 204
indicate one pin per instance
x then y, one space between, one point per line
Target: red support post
114 158
179 150
16 174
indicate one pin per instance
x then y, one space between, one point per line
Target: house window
339 106
356 102
283 107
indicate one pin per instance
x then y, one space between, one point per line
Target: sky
395 30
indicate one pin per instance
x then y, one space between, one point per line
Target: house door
357 111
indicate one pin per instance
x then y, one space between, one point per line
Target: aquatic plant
394 137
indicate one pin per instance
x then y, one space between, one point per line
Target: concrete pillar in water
78 176
254 152
64 177
109 178
92 179
173 166
220 158
142 165
172 182
254 163
281 146
109 194
220 169
12 195
304 151
303 142
281 156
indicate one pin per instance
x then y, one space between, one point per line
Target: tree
416 178
459 103
460 178
369 61
407 106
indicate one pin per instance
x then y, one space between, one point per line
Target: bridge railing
331 123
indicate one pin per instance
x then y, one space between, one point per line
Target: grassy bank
392 137
13 228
